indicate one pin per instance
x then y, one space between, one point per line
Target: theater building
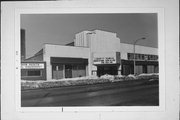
93 53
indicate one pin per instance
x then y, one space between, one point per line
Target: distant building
23 45
93 53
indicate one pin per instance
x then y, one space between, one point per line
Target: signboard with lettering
142 57
32 65
105 58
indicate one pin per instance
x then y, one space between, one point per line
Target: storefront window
75 67
142 57
81 67
34 73
57 67
130 56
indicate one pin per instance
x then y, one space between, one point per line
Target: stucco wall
103 41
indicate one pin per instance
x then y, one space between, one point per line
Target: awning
64 60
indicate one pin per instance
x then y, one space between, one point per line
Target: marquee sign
32 65
106 58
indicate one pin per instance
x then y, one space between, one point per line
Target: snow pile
88 80
148 76
29 84
131 77
61 82
119 78
90 77
109 77
76 78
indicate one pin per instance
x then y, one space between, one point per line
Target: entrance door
57 71
68 71
145 69
126 69
111 70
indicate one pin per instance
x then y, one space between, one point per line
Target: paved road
129 93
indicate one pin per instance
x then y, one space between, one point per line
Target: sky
61 28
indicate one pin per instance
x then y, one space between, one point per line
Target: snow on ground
106 76
34 84
148 74
64 79
120 76
132 76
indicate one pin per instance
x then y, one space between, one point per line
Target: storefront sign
32 65
143 57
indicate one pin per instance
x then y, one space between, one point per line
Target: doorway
57 71
111 70
68 71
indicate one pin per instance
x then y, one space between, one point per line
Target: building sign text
32 65
104 60
142 57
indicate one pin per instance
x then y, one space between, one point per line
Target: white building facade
96 53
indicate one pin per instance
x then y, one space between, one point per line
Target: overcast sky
61 28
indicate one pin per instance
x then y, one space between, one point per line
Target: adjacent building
94 52
23 45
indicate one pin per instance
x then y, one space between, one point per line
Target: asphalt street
128 93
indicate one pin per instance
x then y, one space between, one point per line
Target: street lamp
143 38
